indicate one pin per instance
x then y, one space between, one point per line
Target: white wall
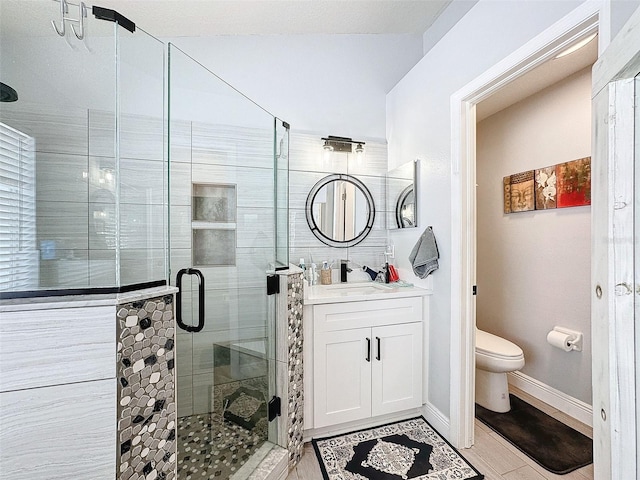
445 21
333 84
418 125
533 268
615 14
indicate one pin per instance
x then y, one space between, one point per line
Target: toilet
495 356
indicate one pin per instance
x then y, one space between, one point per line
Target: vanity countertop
358 291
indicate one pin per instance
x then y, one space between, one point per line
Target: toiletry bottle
313 274
325 274
303 267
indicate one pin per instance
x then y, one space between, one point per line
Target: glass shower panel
636 243
222 244
47 137
282 193
141 167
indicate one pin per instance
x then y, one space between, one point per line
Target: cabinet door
396 368
342 376
59 433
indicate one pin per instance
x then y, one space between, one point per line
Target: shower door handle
181 324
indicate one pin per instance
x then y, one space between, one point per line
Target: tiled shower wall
75 192
147 445
306 167
75 188
294 400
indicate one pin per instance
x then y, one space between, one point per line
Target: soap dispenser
325 274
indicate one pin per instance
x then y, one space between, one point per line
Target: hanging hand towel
424 256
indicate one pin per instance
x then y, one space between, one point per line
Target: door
222 247
396 369
342 376
615 234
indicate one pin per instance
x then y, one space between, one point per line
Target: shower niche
213 224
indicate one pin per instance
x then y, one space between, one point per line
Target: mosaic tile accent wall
146 385
295 400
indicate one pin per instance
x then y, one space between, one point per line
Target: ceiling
183 18
545 75
174 18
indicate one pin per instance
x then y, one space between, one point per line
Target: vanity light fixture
576 46
343 144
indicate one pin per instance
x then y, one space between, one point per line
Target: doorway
534 237
580 24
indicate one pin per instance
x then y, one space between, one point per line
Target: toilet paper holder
575 337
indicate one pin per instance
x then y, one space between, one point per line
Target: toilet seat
496 354
495 346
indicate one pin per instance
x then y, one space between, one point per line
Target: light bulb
359 154
326 157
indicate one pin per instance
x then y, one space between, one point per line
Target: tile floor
493 456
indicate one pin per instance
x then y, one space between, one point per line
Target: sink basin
341 289
357 292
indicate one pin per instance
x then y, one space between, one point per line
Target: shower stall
224 152
127 166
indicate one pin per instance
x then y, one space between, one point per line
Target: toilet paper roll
559 340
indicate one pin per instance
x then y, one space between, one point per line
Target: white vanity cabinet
367 359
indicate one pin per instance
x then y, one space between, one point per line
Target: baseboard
437 420
573 407
363 424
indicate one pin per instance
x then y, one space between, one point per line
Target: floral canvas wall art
546 190
519 192
574 183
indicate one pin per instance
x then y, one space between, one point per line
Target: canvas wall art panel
519 192
546 188
574 183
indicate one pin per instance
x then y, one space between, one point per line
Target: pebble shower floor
213 450
211 447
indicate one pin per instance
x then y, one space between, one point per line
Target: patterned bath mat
407 450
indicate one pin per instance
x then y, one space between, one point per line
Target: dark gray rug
549 442
410 449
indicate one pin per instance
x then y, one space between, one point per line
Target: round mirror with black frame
340 210
405 208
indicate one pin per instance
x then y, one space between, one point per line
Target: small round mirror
406 208
340 210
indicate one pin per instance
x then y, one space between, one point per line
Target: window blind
18 250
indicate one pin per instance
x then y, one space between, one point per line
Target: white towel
424 256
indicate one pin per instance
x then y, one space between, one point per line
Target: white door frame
580 23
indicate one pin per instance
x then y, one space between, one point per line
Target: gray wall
533 268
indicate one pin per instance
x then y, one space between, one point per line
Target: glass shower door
222 244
